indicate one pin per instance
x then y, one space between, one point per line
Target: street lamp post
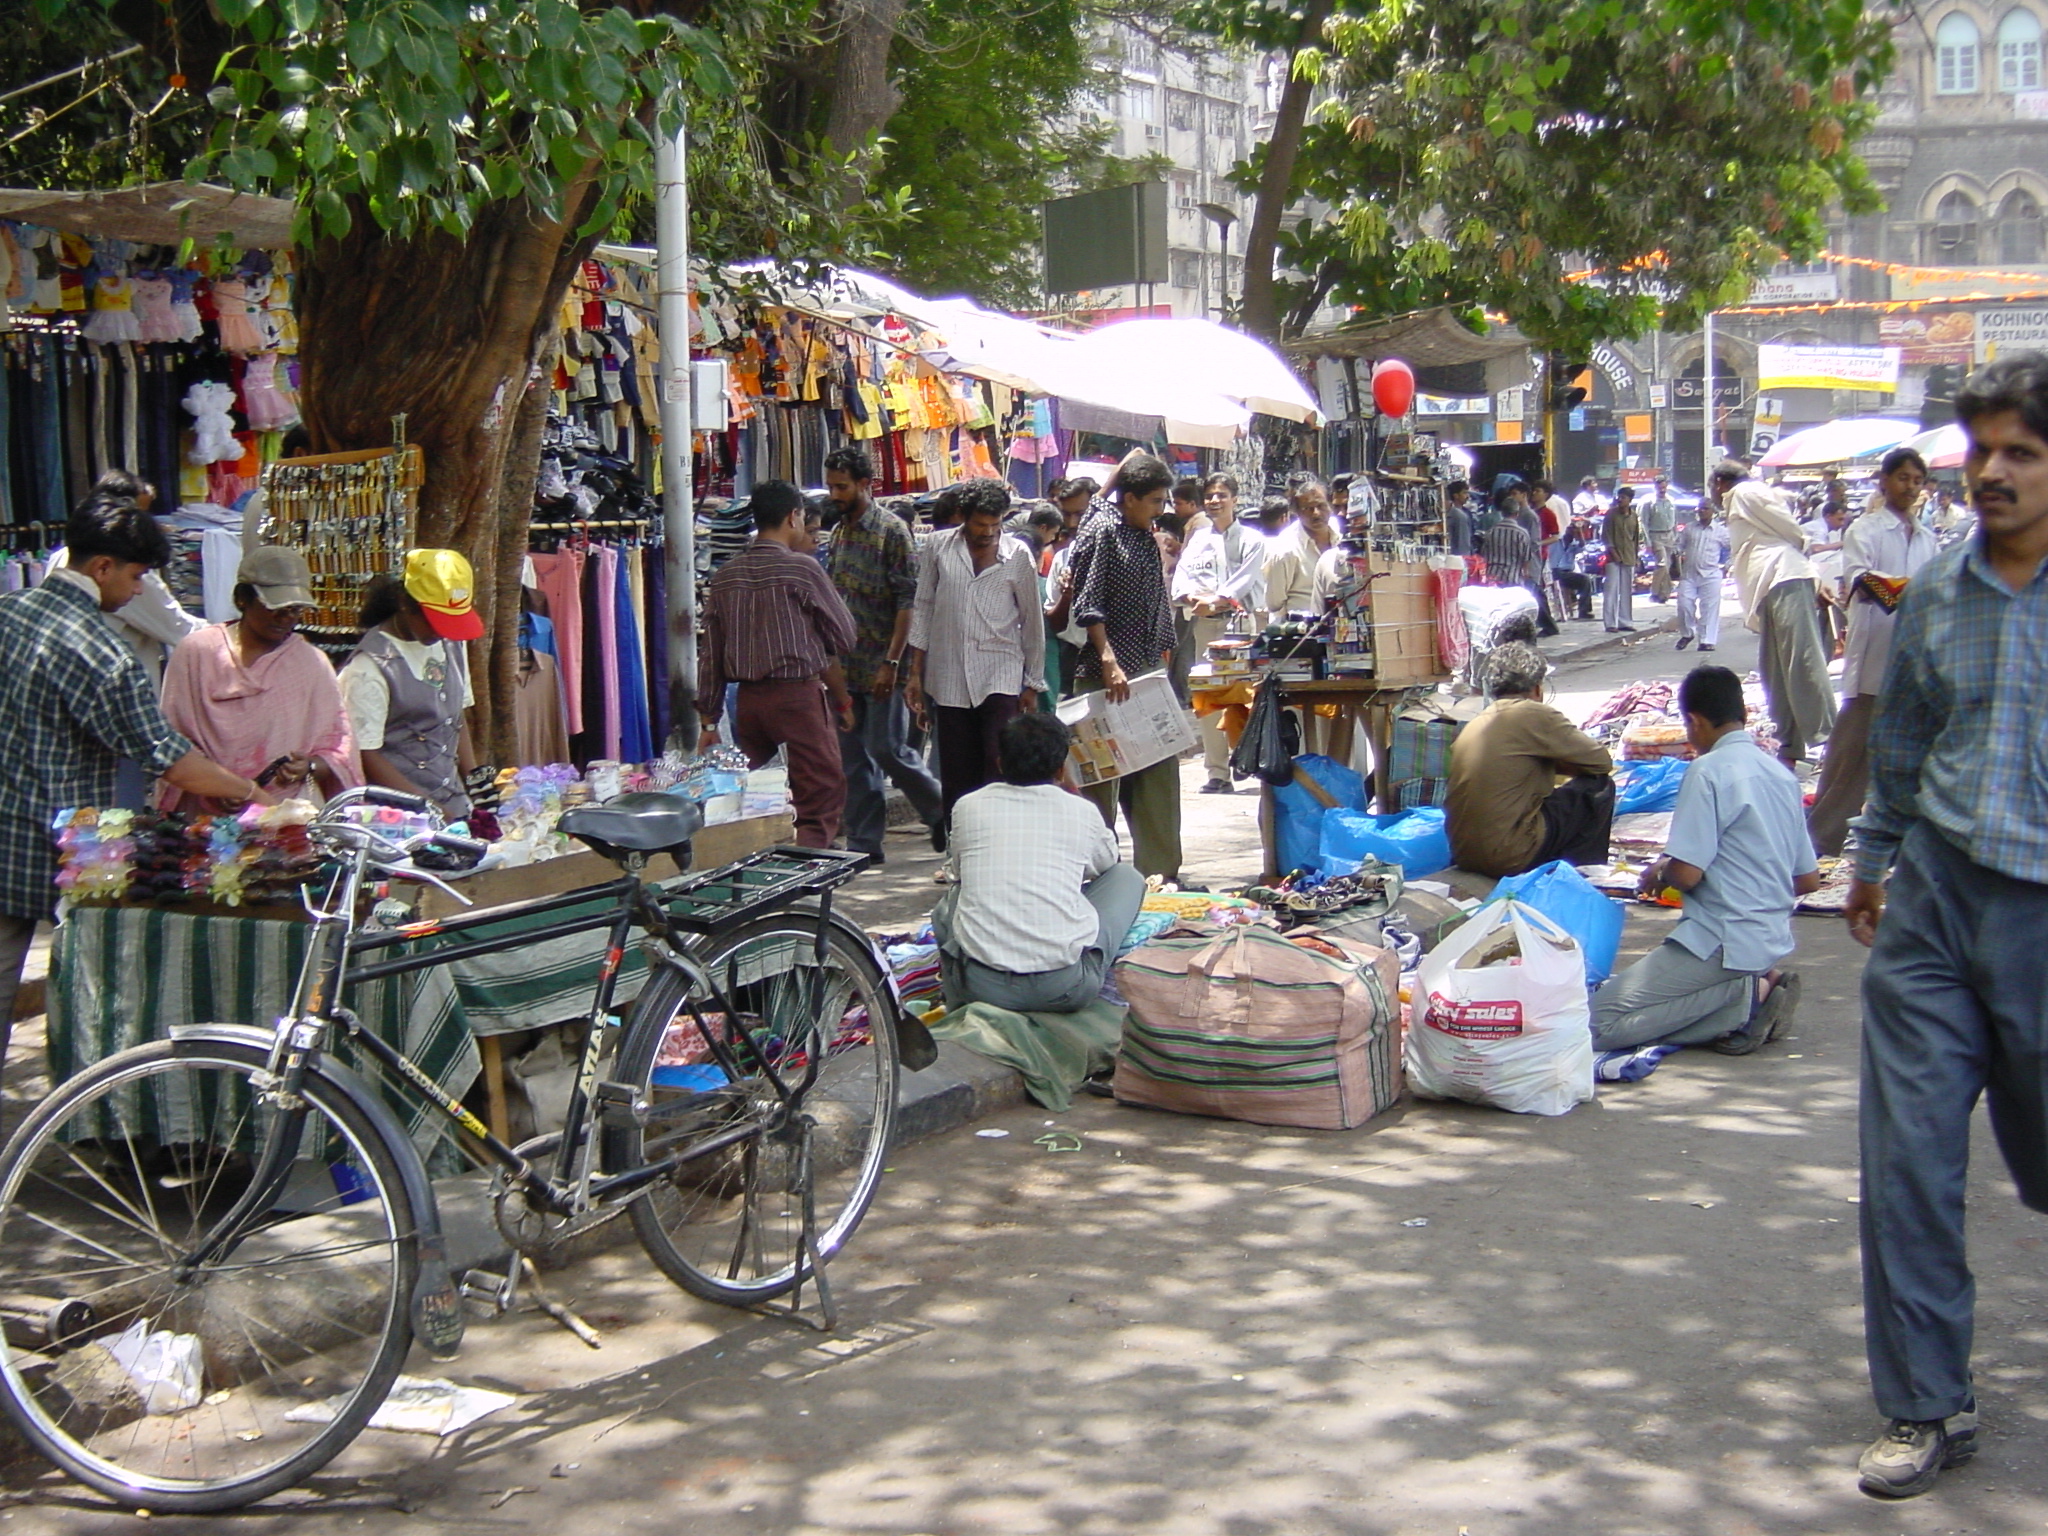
1222 218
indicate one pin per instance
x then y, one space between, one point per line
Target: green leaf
369 40
301 15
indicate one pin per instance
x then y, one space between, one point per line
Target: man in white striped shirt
1042 904
977 637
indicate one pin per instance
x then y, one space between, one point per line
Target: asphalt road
1642 1317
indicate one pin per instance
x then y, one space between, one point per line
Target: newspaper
1111 740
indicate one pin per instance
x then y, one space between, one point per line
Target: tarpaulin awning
1943 448
1448 356
161 213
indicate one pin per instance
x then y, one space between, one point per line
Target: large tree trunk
448 332
1261 315
864 97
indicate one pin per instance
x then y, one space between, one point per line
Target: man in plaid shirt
76 701
1955 998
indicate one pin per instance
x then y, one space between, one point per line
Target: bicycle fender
436 1307
915 1047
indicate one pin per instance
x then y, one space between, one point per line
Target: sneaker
1910 1455
1765 1019
1706 648
1218 787
1684 641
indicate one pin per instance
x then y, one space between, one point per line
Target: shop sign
1793 367
1453 405
1610 362
1641 475
2009 330
1660 396
1686 394
1639 429
1937 336
1795 288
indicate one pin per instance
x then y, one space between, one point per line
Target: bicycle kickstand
828 1309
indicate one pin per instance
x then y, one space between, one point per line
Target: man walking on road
1776 583
774 624
1119 598
873 563
1660 533
977 638
1955 997
1881 551
1702 554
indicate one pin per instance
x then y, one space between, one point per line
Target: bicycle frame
334 966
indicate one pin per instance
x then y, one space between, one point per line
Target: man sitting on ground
1506 812
1740 854
1042 903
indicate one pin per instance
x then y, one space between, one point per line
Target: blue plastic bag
1569 900
1298 815
1651 786
1415 840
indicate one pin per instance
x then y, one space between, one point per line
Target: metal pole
1707 412
678 510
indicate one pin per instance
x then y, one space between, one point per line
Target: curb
1664 626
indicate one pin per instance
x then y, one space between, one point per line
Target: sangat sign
1791 367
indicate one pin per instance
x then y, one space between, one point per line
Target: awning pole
678 509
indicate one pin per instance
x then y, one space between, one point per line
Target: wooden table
1364 700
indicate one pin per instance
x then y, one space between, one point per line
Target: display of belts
351 514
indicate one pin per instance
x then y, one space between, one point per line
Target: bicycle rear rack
761 882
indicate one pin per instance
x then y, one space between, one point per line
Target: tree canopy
1485 152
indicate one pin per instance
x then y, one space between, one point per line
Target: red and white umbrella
1836 442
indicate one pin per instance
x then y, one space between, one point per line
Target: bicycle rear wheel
728 1225
183 1385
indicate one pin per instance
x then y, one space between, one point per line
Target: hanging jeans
876 747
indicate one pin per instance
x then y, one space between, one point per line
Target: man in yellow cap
407 684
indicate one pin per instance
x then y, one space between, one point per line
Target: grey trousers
1795 668
1671 996
15 936
876 747
1955 1005
1617 596
1844 777
1115 894
1209 728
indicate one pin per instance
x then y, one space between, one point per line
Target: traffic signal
1943 380
1570 384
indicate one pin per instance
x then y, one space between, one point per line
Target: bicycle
216 1249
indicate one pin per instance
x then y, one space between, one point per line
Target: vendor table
1369 702
123 975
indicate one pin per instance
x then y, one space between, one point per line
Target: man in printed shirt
873 563
774 624
1119 600
1881 551
1221 572
1955 997
77 700
977 637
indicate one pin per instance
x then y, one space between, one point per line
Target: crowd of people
842 639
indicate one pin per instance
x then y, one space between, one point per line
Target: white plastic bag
165 1368
1514 1033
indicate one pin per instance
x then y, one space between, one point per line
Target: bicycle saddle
642 822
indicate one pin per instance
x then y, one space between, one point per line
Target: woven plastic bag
1500 1016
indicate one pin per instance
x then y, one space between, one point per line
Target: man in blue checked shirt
1955 997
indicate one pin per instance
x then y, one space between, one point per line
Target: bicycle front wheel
728 1225
178 1336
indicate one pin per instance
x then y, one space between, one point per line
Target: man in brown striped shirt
775 625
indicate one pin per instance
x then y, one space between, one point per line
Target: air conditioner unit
1154 131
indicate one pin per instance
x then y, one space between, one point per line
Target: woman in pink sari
254 693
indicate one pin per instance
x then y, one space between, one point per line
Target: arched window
1955 230
1955 56
2019 52
2019 229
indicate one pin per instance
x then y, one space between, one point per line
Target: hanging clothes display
117 355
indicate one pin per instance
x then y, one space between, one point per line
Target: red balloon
1393 387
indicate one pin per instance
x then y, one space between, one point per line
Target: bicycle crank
542 1235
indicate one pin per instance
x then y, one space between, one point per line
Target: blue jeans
1955 1005
877 746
